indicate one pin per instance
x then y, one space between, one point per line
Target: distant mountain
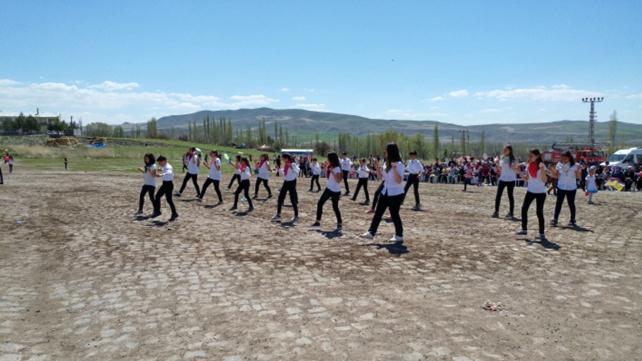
305 124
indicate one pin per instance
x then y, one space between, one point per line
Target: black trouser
141 200
377 194
335 196
315 179
165 190
244 186
346 174
235 177
528 199
510 186
260 180
570 197
1 179
363 182
217 188
413 180
194 178
394 204
288 187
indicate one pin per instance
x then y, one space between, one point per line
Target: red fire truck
587 153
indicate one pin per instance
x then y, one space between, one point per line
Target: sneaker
233 208
276 218
366 203
269 196
255 196
521 232
367 235
155 214
199 199
177 194
495 215
417 207
541 237
396 239
339 228
572 224
316 224
553 222
250 209
294 220
139 213
509 216
173 218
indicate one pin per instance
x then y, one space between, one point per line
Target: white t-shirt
192 164
168 173
567 180
315 168
535 184
333 185
591 186
263 171
346 164
236 168
390 185
364 172
214 173
246 173
415 166
149 177
507 172
293 172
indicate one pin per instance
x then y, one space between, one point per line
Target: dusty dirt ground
81 278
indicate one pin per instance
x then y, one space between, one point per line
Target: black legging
217 188
244 186
141 200
260 180
315 179
528 199
1 179
570 197
413 180
235 177
165 190
288 187
194 178
510 186
394 204
335 196
346 174
363 182
377 194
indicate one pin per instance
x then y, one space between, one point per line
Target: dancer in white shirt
346 166
415 168
364 174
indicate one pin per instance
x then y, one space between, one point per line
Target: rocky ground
82 278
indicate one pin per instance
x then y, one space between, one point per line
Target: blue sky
465 62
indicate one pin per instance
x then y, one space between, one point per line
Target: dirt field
81 278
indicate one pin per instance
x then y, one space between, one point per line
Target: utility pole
592 117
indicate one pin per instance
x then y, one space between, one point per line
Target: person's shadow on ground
395 249
545 243
329 234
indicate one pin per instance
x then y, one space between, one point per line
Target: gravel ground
81 278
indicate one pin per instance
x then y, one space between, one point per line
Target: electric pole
592 117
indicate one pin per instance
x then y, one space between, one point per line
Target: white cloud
437 99
109 85
285 90
309 90
554 93
634 96
311 106
461 93
490 110
299 99
113 103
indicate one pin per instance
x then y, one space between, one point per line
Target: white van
625 157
